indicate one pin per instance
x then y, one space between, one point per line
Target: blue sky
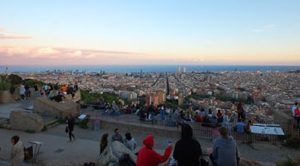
172 31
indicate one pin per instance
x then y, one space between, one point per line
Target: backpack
297 112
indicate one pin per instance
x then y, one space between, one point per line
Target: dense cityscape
149 83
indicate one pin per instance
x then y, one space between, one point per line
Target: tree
14 79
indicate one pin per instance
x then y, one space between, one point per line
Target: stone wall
26 121
46 107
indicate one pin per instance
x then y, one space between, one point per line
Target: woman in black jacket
187 150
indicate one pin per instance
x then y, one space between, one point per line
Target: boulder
44 106
5 97
26 121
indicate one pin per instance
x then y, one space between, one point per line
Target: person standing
296 114
17 151
241 111
22 91
225 150
148 157
71 123
187 150
294 108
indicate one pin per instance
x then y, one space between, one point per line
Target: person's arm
215 152
175 153
134 144
199 150
237 155
162 158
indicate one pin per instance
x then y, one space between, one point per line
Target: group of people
122 152
24 91
187 150
53 92
117 151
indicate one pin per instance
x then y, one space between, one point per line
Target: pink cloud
59 56
5 35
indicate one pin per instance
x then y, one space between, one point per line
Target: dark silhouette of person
103 142
187 150
241 111
71 123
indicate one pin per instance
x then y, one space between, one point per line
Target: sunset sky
125 32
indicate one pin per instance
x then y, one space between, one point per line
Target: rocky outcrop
5 97
26 121
44 106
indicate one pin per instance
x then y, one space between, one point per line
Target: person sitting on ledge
187 150
148 157
117 136
225 150
17 151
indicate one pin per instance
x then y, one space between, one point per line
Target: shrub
44 128
292 142
287 162
84 123
30 131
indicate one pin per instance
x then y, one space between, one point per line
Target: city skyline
156 32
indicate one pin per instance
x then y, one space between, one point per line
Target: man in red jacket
148 157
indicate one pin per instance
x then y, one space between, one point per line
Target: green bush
84 123
292 142
45 128
89 97
287 162
4 85
30 131
14 79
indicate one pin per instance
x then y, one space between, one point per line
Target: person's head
116 131
15 139
186 131
296 103
223 132
240 104
149 141
128 136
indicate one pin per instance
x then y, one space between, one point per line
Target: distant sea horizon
144 68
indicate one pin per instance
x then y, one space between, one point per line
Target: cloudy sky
219 32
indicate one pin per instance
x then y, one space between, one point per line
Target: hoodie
225 152
148 157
